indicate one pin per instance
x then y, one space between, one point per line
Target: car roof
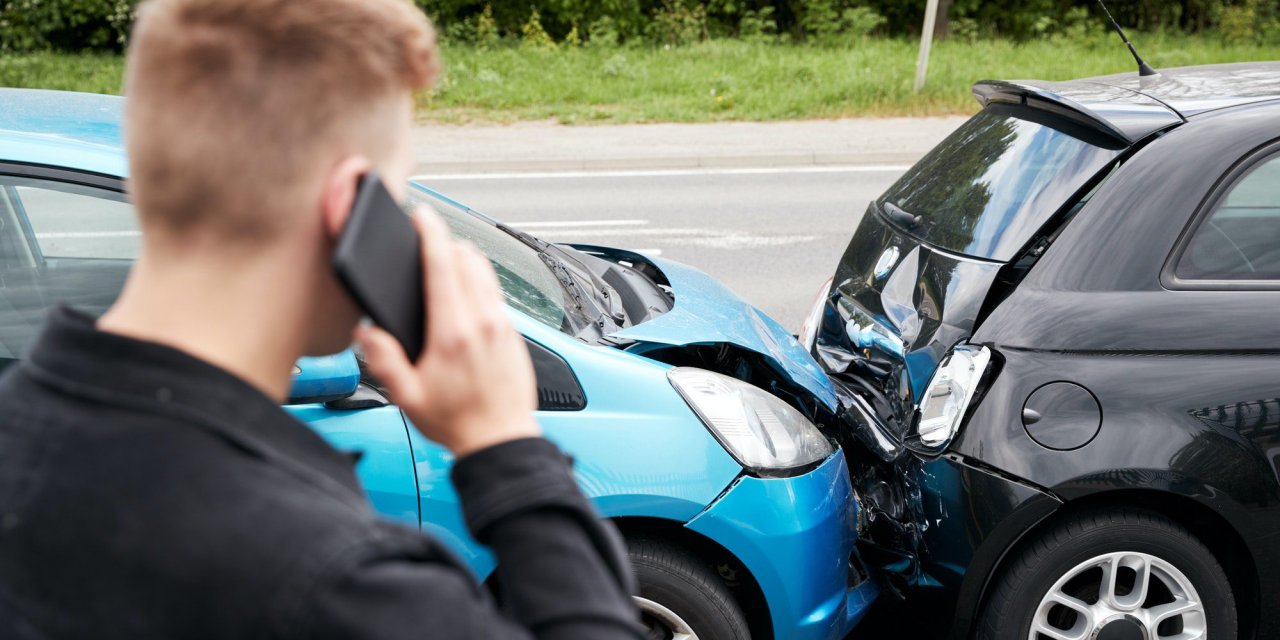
80 131
1129 107
1193 90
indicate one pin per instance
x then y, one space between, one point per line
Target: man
150 484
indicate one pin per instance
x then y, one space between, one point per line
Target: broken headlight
762 432
945 400
813 322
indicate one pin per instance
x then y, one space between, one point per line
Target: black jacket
147 494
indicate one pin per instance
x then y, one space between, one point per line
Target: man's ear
340 192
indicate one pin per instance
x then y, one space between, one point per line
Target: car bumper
797 537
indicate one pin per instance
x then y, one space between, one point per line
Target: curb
643 163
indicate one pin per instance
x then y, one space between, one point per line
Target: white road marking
577 223
88 234
662 173
710 238
580 229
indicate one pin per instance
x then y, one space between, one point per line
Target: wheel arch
747 591
1207 525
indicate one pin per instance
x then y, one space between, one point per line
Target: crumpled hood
707 312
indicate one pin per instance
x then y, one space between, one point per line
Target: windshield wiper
557 260
607 295
532 242
900 216
554 263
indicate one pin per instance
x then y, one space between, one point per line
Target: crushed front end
892 319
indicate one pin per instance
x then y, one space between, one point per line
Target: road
771 235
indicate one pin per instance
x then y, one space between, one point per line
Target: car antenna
1144 69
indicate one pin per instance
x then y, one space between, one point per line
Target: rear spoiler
1121 116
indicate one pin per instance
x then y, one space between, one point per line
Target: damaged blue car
692 416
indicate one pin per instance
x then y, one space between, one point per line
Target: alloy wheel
1121 596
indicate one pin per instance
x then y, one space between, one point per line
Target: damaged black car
1057 349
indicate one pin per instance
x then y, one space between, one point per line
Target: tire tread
682 566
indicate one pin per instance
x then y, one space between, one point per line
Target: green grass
720 80
87 72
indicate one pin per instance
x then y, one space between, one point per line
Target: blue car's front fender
796 536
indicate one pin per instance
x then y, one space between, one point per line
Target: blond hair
234 106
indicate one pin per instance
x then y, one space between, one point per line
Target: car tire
1056 582
681 598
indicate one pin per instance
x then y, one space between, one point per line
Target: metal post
926 42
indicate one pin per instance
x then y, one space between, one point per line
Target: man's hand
473 386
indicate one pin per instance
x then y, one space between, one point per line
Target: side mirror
324 378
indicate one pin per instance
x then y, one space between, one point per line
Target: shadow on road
892 618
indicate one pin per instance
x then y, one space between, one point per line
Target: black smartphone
378 259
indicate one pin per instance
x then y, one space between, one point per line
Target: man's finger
389 365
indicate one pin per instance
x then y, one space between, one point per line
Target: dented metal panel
706 313
886 330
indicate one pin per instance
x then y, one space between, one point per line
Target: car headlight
762 432
813 322
945 400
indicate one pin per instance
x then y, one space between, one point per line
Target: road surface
771 235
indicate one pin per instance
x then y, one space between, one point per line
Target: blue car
690 413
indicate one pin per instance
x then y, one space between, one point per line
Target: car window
1240 240
987 188
527 283
60 243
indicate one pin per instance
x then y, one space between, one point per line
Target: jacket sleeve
562 571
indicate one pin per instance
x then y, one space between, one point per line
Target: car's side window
1240 239
60 243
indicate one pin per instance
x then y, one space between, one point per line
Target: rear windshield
994 182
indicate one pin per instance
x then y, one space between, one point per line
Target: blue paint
386 462
326 376
62 128
796 535
708 312
638 448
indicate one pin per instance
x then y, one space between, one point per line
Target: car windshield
987 189
527 283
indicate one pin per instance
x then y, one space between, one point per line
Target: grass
95 73
719 80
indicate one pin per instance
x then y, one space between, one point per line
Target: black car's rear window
987 188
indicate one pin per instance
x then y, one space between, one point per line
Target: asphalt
771 235
767 208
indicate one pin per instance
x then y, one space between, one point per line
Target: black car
1057 339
